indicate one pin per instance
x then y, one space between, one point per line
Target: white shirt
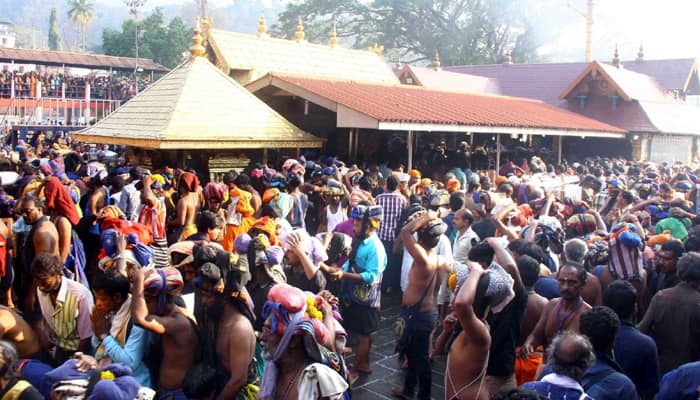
444 250
463 244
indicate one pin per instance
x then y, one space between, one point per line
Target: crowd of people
118 282
57 85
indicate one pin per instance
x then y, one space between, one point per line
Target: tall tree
54 34
165 44
463 31
81 13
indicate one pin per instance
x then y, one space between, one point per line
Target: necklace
562 322
297 375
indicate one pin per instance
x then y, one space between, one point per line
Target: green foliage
164 44
463 31
81 13
54 34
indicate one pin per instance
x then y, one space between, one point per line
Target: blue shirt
681 383
603 381
370 260
637 355
131 354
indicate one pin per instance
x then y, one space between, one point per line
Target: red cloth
58 200
126 227
189 181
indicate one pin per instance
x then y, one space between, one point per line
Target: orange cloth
414 173
246 222
526 370
500 180
453 185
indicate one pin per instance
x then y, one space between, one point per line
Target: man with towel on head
153 308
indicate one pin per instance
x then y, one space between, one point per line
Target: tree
81 13
54 34
164 44
463 31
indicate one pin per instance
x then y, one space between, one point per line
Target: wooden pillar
350 134
498 152
409 140
560 140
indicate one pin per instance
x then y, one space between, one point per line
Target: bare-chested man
574 253
529 271
14 329
419 301
187 206
153 308
42 238
560 314
469 353
235 337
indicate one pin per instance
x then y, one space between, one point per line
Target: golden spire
616 58
197 50
334 36
376 49
640 54
299 35
436 61
262 27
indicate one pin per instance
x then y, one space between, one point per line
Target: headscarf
162 282
215 191
499 291
59 200
189 181
293 312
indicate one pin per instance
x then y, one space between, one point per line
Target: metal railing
56 111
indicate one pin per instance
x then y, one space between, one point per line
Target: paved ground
386 373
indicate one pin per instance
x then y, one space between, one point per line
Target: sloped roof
627 115
78 60
196 106
404 107
447 80
674 118
262 55
534 81
631 85
671 74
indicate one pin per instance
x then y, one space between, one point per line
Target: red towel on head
58 200
189 181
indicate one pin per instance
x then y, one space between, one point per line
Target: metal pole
409 139
561 140
498 152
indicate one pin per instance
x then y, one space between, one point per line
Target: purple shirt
347 227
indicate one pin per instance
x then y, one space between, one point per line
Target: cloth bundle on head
215 191
597 254
260 253
660 239
414 173
59 201
268 226
162 282
110 212
580 225
683 186
270 194
453 185
189 181
292 313
136 253
659 211
144 234
499 291
439 198
311 245
625 261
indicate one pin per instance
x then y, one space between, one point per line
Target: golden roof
196 106
263 55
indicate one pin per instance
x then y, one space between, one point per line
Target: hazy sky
667 28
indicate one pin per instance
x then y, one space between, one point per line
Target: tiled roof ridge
630 62
78 53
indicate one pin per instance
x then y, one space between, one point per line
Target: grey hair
8 359
584 357
575 251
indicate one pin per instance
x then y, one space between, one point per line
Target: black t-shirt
299 280
505 332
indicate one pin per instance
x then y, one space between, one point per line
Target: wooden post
350 133
409 139
498 152
560 139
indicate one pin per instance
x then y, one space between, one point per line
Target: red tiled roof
412 104
672 74
78 60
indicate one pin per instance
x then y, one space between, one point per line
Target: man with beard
153 308
297 341
230 320
560 314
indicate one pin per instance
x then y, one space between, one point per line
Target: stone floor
386 373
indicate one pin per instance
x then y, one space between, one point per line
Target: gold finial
376 49
640 54
616 58
197 50
262 27
436 61
299 35
334 36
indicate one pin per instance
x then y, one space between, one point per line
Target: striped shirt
393 203
68 320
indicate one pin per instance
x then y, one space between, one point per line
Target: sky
667 29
